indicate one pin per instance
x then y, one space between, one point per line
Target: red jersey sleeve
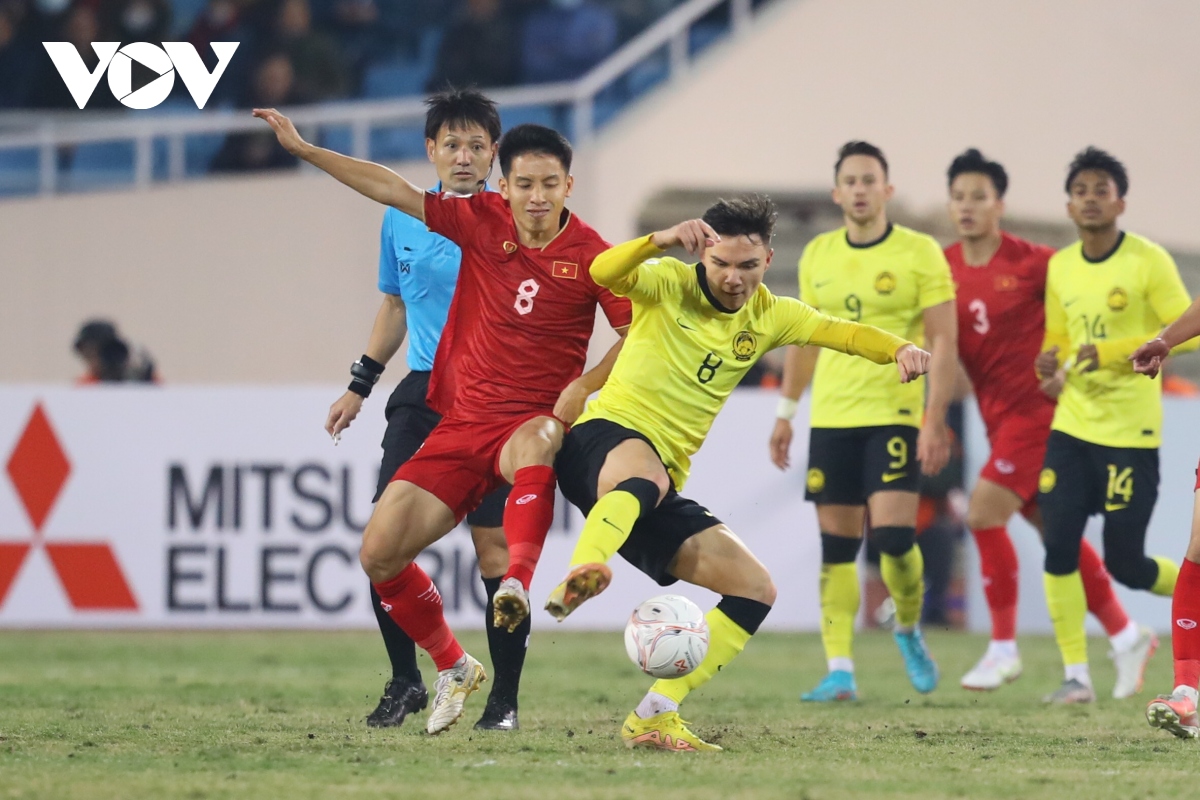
452 216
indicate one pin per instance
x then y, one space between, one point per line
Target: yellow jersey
684 353
1116 303
888 284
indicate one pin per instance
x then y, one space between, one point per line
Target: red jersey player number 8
525 294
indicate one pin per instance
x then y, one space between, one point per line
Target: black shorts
848 465
1080 479
656 537
409 422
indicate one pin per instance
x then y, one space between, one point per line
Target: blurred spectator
80 26
138 20
274 85
371 30
567 39
223 21
320 72
479 49
17 57
109 358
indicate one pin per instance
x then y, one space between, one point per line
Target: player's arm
1056 345
799 364
1169 300
1148 358
617 268
573 398
941 337
387 334
365 177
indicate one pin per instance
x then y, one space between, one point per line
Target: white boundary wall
296 566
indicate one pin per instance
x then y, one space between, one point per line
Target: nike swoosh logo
614 527
1115 506
822 283
888 477
1069 302
685 327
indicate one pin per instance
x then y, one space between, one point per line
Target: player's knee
980 517
894 540
537 443
378 562
1131 569
1061 558
492 553
839 549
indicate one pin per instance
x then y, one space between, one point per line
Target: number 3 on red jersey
979 309
525 294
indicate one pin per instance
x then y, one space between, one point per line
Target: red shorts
1198 477
1018 450
459 463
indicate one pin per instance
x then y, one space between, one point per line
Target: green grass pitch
280 715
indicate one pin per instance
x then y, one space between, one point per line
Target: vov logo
162 61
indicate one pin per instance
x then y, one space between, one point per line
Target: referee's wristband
786 408
364 374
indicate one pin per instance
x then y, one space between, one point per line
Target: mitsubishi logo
88 570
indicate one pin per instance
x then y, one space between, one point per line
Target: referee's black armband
364 374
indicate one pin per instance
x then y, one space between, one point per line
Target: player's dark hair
859 148
1096 159
748 215
529 138
972 160
461 108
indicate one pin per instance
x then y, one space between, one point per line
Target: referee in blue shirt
418 270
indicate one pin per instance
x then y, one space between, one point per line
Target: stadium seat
18 171
338 138
96 165
512 116
183 14
395 79
702 35
199 150
397 144
647 74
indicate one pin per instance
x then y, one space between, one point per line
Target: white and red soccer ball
667 636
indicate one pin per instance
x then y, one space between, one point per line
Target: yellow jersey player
697 329
868 444
1105 295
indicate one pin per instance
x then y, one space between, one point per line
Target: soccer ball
667 636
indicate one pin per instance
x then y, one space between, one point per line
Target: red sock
527 518
1097 585
1185 630
998 563
413 602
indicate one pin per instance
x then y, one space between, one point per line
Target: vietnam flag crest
566 269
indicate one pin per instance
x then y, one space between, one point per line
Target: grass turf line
222 715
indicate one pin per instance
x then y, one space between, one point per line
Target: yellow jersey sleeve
628 270
934 284
808 294
801 324
1167 297
1056 325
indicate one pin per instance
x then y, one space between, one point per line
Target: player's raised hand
1148 358
781 443
342 413
285 131
692 235
912 362
1046 363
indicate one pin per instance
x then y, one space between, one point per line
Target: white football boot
1131 664
453 687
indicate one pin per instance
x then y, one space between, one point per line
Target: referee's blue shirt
422 268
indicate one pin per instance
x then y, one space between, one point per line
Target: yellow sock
1068 610
725 640
904 577
840 596
606 528
1168 573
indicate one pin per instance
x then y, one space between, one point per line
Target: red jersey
518 328
1001 324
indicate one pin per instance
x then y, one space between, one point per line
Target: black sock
401 650
747 614
507 650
